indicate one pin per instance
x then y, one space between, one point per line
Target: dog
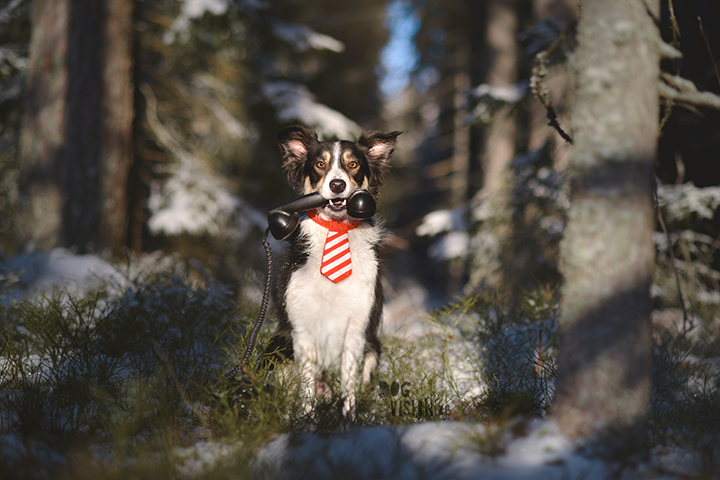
329 315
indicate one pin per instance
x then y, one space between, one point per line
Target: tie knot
331 225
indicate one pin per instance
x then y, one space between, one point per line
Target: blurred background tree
75 147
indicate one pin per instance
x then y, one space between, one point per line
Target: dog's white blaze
336 156
329 319
336 172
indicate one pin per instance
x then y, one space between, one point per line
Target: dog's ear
379 147
295 142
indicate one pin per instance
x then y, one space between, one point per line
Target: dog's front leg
310 375
349 383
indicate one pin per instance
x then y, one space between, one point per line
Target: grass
122 384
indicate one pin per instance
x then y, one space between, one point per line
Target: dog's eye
353 165
320 164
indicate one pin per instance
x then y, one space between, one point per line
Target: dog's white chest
329 318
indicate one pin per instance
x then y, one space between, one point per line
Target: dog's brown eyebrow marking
326 155
347 155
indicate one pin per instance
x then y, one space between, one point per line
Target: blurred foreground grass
122 385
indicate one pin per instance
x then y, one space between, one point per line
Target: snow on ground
432 451
202 455
428 451
438 451
40 273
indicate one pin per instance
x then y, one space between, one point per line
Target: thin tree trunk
502 72
604 362
489 264
117 136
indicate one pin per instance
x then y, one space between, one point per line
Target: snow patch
303 38
202 455
193 10
441 221
507 94
429 450
452 245
40 273
681 201
293 102
193 201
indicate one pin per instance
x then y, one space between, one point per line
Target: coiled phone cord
232 374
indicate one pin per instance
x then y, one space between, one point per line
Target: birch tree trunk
604 361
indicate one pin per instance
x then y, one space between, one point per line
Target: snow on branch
680 202
303 38
8 12
192 199
449 225
682 90
193 10
293 102
490 98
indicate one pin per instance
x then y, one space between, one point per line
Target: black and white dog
329 296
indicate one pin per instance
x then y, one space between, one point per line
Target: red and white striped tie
336 262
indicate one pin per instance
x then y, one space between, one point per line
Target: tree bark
490 263
76 144
604 362
42 137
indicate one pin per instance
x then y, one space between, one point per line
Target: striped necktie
336 262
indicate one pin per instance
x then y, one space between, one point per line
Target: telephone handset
284 220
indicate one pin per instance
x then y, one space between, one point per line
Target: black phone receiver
284 220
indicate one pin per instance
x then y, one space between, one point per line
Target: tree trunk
76 144
490 263
604 362
42 136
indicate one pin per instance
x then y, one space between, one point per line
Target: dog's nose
337 186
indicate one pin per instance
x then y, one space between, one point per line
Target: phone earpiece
282 224
361 205
284 220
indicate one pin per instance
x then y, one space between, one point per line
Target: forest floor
104 372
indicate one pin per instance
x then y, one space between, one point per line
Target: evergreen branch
202 416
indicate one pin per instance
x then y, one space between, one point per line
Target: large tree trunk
604 362
76 144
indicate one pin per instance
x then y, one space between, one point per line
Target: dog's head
335 169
